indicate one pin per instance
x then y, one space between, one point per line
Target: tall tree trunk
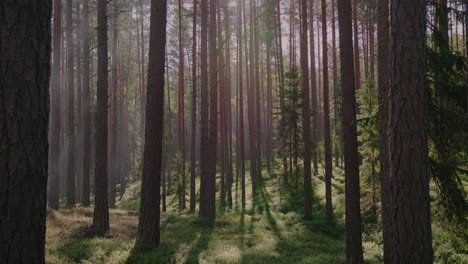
411 219
240 98
209 211
251 101
86 129
326 117
79 84
24 121
383 39
351 157
113 162
228 104
148 224
313 82
222 108
279 40
204 107
306 112
71 109
54 128
181 112
193 142
101 208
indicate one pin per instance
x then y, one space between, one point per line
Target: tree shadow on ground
315 241
183 239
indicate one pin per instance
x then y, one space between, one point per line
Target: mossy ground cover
271 229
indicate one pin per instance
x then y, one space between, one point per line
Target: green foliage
447 108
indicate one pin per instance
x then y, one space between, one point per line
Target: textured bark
71 108
86 114
383 39
251 99
209 210
411 219
193 142
306 111
351 157
25 46
326 116
54 132
313 86
101 208
148 225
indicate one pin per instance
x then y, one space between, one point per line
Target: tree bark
351 156
54 132
86 114
411 219
194 111
306 112
181 112
383 39
313 81
326 116
240 98
101 208
25 33
71 108
148 224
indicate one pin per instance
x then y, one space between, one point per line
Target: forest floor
271 229
267 231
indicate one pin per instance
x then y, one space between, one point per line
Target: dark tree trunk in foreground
351 156
148 225
326 117
86 115
383 39
54 133
101 208
411 219
71 109
193 199
306 112
24 121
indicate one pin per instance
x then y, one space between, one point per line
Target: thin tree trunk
326 119
54 128
194 111
241 100
306 112
313 81
181 111
86 132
